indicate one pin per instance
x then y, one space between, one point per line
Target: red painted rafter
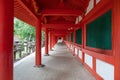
58 26
54 12
61 33
22 12
26 8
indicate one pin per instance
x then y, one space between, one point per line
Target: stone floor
60 65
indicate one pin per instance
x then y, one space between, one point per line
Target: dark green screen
79 36
99 33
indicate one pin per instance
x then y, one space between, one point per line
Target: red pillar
116 36
94 3
38 44
66 38
46 42
53 40
6 39
83 39
74 36
50 40
70 37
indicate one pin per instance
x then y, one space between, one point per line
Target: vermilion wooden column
74 36
70 37
66 38
6 39
46 42
53 40
56 39
50 40
83 40
94 3
38 44
116 36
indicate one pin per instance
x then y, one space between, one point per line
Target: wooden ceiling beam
61 12
22 5
58 26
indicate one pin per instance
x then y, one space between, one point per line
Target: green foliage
25 31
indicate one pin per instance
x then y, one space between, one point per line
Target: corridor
60 65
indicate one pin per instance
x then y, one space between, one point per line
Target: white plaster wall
80 54
97 1
76 51
71 46
80 18
105 70
88 60
90 6
77 20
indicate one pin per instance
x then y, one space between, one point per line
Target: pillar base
39 66
46 55
73 54
52 49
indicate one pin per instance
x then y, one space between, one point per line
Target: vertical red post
38 44
116 36
74 36
6 39
70 37
53 40
94 3
94 63
46 42
56 39
83 39
66 37
50 40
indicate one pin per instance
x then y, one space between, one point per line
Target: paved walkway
60 65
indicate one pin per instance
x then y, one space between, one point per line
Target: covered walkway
60 65
89 28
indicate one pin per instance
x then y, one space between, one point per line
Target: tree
25 31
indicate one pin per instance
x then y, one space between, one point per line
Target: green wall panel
79 36
99 32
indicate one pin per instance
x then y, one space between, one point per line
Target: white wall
90 6
79 18
80 54
88 60
105 70
71 46
97 1
76 51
